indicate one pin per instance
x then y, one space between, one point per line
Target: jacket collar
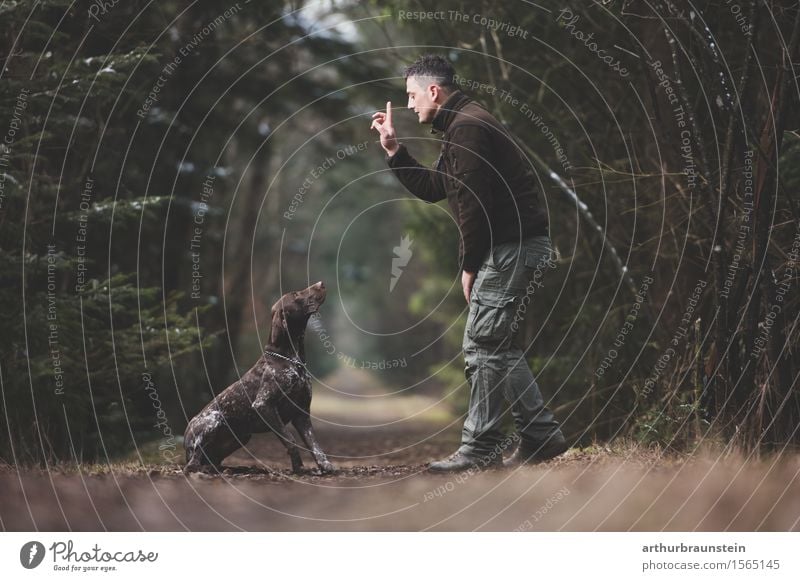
447 112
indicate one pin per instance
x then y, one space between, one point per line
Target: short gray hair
434 67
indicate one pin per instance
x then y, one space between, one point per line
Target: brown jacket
486 179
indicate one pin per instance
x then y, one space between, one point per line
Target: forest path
380 443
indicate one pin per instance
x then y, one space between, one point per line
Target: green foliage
677 426
81 329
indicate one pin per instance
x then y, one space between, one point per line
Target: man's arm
421 181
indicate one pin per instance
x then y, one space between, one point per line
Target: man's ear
438 94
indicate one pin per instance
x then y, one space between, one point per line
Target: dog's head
291 312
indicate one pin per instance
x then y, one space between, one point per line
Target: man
504 244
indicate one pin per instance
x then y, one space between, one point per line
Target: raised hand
382 123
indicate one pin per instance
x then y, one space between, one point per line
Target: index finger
389 113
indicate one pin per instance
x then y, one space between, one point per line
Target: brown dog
274 392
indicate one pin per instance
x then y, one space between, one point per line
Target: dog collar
295 361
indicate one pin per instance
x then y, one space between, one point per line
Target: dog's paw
326 468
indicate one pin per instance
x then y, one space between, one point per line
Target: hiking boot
528 454
459 462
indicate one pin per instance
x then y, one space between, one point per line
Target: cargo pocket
504 256
541 255
491 316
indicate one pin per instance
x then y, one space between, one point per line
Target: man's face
422 98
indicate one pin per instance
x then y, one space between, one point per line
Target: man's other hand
382 123
467 280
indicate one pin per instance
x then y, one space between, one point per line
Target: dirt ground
380 445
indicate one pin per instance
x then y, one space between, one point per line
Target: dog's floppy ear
278 322
278 318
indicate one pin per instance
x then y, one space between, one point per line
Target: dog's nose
319 286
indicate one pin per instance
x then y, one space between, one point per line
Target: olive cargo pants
496 370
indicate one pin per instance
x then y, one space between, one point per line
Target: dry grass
620 487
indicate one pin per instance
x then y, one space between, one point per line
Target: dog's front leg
271 417
302 423
293 450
